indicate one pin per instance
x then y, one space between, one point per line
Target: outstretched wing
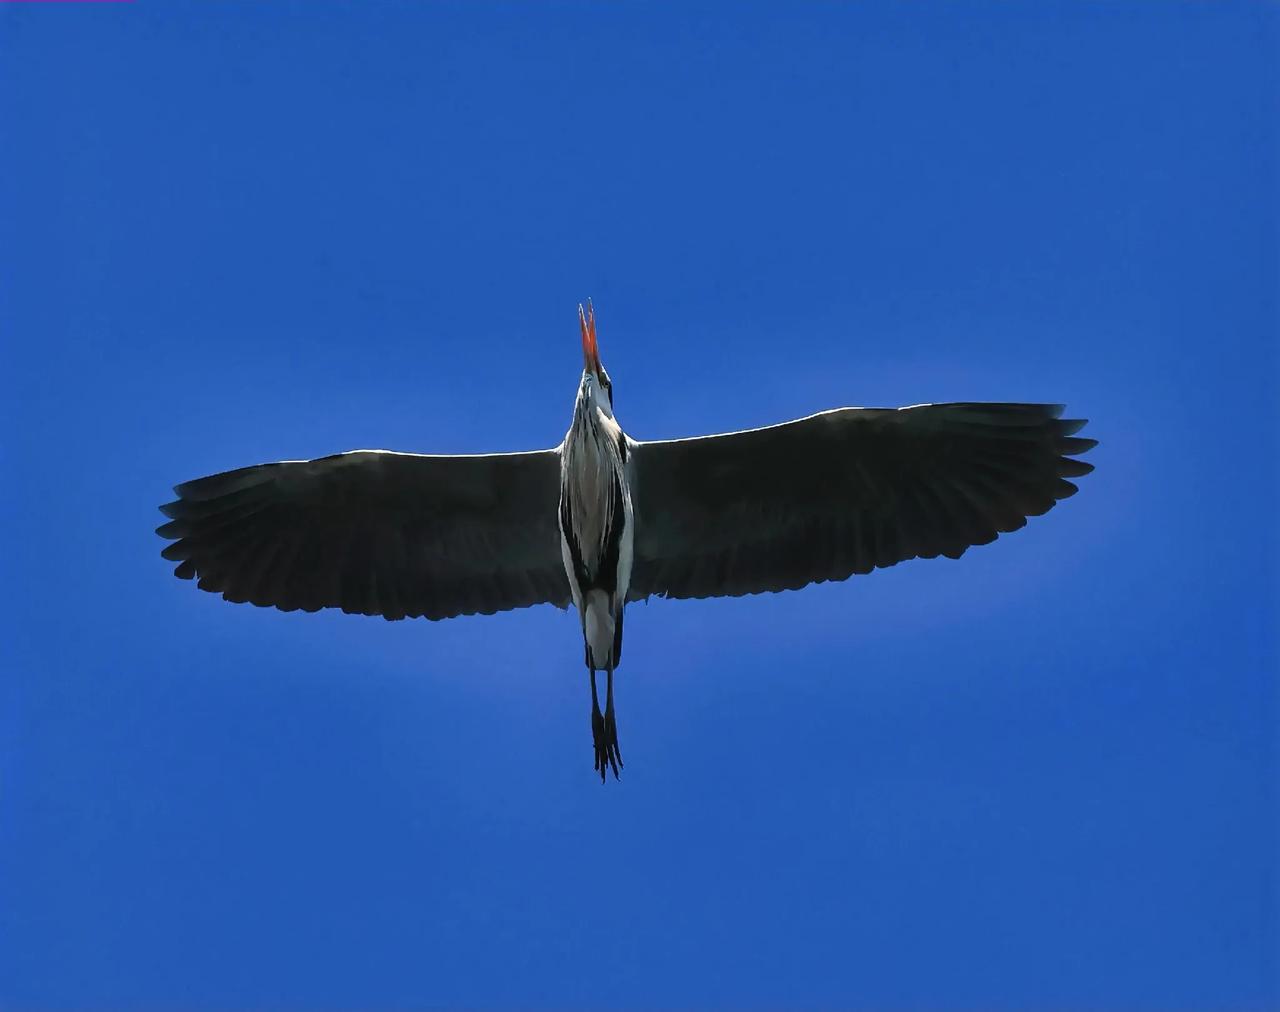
842 492
376 533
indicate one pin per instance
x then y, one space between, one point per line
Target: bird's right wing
841 492
376 533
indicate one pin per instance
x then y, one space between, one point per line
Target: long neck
592 426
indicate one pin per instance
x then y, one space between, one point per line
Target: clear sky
1042 776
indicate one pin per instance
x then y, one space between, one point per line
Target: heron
603 519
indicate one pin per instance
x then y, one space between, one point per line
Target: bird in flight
603 519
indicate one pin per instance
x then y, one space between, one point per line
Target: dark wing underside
376 533
842 492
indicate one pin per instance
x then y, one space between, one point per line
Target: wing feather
843 492
376 533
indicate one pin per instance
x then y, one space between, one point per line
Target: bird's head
596 386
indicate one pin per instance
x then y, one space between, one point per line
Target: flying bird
603 519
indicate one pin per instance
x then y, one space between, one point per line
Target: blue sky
1042 776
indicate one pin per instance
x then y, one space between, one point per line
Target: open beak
590 350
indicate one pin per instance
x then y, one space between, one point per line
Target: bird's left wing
842 492
373 532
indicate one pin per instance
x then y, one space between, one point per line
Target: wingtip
175 551
1069 467
1074 445
169 531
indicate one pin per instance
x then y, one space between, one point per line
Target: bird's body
602 518
597 527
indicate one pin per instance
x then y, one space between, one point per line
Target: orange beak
590 350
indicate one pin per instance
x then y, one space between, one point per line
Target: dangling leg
597 727
600 631
612 752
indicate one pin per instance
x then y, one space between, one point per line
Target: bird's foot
604 732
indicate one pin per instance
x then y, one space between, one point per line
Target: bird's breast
595 512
